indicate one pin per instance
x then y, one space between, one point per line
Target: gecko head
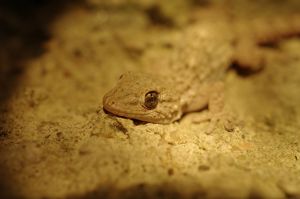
144 97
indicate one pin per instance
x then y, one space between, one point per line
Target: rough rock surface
57 142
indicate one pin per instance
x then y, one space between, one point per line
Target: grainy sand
57 142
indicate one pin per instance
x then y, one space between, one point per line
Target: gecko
196 70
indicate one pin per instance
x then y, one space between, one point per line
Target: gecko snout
107 101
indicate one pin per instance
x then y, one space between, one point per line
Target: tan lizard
196 70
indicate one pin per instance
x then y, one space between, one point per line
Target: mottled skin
196 69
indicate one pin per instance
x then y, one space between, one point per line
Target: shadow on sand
25 26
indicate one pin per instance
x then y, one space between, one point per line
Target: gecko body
195 71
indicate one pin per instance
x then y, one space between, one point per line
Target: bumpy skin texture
128 97
196 69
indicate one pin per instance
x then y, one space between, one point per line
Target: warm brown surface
56 141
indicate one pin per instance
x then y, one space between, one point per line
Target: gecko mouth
123 113
112 107
142 114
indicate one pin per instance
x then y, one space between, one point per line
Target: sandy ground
57 142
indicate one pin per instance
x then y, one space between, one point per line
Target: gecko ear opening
151 100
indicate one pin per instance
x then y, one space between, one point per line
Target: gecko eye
151 100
